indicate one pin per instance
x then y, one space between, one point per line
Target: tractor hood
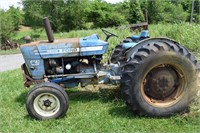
87 46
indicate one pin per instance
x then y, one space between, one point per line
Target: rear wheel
160 79
47 101
118 54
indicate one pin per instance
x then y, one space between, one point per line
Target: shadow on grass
117 108
123 112
21 98
104 95
83 96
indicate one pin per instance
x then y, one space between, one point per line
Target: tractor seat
136 38
143 34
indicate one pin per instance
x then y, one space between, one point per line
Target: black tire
160 79
118 55
47 101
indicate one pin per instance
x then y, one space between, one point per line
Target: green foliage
32 13
174 13
16 15
103 15
74 15
10 21
135 14
196 17
169 11
36 10
10 51
184 33
7 26
155 9
165 11
66 15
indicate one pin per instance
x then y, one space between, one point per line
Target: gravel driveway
9 62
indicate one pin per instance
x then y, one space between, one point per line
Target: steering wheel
108 34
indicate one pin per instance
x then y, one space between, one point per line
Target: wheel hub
47 103
161 82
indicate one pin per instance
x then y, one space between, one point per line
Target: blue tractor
158 76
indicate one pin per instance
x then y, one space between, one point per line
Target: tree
103 14
166 11
32 13
75 15
135 14
16 15
64 15
174 13
155 9
7 26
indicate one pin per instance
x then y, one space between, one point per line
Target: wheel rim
46 104
163 85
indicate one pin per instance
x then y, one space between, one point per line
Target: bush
174 14
7 26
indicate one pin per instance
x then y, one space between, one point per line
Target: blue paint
31 56
93 41
60 80
143 34
129 45
135 39
57 50
84 48
92 37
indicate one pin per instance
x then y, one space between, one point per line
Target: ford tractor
157 76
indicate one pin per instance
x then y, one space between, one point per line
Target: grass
184 33
10 51
89 111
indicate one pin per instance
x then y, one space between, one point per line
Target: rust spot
58 41
28 81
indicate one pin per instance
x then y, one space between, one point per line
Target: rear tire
118 55
47 101
160 79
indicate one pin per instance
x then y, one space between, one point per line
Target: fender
131 52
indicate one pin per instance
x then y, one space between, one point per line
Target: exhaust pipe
48 29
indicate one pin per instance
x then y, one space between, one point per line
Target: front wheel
160 79
47 101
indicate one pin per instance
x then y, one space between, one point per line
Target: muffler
48 29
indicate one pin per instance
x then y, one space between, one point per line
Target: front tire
47 101
159 79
